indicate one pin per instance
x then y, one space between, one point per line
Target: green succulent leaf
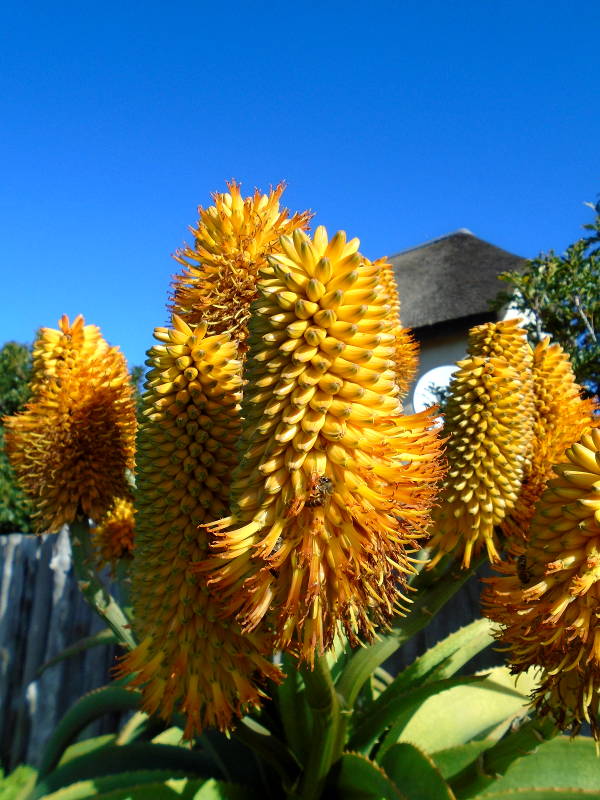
439 663
172 735
355 777
86 746
218 790
454 759
169 788
495 761
560 764
17 785
544 794
135 727
114 759
98 786
397 713
414 771
445 658
85 710
105 636
474 710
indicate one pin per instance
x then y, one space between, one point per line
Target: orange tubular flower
232 241
74 442
334 484
113 536
489 421
549 609
561 415
188 659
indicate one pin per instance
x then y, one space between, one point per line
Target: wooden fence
41 613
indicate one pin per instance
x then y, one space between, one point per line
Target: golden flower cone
188 659
334 484
548 603
231 243
407 348
489 422
72 445
561 415
112 538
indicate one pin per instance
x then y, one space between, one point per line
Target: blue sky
396 121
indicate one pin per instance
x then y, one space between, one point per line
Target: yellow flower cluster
231 243
489 422
334 484
189 658
407 349
548 606
560 417
112 538
74 442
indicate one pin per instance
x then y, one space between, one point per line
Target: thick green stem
92 587
326 742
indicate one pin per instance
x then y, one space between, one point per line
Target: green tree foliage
137 379
562 295
15 371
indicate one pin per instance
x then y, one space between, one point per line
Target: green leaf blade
355 777
416 773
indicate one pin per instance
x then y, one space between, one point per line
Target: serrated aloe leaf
439 663
87 708
170 789
380 680
173 736
133 728
398 712
105 636
126 758
218 790
445 658
355 777
82 790
562 762
544 794
495 761
451 761
465 712
86 746
416 774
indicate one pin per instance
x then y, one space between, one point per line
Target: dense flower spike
549 605
489 420
112 538
561 415
407 348
188 659
74 442
231 243
334 484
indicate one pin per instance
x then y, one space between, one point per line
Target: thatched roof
450 278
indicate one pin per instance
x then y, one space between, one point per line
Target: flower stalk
326 744
92 588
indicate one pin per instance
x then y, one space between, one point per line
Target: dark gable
450 278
